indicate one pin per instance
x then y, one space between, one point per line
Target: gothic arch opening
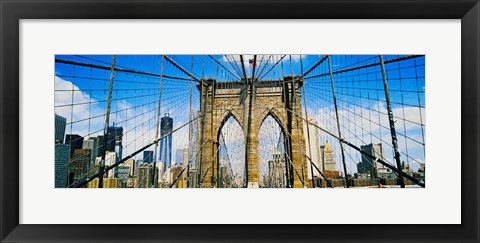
272 156
231 154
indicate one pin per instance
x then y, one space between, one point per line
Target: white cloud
128 116
362 119
64 97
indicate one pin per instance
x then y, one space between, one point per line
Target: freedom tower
166 126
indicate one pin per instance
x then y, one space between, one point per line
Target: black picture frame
12 11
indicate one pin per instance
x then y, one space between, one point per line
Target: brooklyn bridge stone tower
250 102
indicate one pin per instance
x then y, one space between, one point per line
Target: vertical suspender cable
189 126
338 121
308 124
158 121
392 124
107 117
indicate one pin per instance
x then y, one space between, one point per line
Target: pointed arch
224 118
277 117
230 162
271 151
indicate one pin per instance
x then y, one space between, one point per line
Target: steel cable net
272 159
232 155
151 98
136 120
357 84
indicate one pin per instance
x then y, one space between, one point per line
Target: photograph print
240 121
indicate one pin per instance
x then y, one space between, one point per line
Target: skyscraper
363 168
78 168
62 154
166 127
144 176
192 178
276 171
115 136
328 156
174 173
131 163
138 163
123 172
110 159
75 141
110 145
161 172
313 144
377 151
406 167
60 123
147 156
114 141
91 144
224 176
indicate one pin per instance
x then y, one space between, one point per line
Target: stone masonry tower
280 99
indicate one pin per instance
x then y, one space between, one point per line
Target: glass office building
166 126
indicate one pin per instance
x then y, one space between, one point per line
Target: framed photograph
163 121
